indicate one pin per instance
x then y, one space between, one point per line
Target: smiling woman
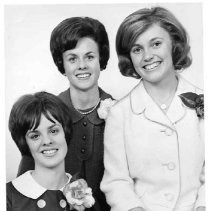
82 66
152 129
80 50
29 67
40 125
47 143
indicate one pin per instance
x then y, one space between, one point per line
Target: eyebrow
74 54
155 38
51 126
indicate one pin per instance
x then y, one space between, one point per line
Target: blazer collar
142 103
27 186
76 116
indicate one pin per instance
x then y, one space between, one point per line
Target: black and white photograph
104 107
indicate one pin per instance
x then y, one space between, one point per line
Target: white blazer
154 160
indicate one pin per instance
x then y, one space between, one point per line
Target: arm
200 201
26 163
117 184
9 197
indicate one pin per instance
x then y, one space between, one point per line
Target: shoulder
9 188
187 86
123 106
104 95
125 101
63 95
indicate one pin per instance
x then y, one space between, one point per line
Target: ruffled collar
27 186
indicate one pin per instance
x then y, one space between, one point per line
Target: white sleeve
200 202
117 184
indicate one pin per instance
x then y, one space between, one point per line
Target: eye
33 137
156 44
90 57
54 131
72 59
136 50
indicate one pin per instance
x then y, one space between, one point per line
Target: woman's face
151 54
47 143
82 65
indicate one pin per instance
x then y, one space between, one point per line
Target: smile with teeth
150 67
83 75
49 152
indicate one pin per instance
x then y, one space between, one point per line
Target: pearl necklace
88 112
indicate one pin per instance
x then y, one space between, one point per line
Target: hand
141 209
201 209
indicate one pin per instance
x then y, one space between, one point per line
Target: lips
49 152
151 67
83 75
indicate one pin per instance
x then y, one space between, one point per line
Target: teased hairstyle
137 23
26 114
67 33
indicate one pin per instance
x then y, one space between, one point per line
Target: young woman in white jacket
154 147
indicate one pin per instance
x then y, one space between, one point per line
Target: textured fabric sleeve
9 196
117 184
200 202
26 163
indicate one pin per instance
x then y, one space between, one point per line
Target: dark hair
26 114
137 23
67 33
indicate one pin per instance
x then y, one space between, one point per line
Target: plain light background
29 66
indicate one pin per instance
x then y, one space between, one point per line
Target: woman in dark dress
41 126
80 50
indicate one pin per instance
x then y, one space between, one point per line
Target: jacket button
171 166
41 203
85 123
169 196
84 137
83 150
63 203
168 132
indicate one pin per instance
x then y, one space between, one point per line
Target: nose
46 140
82 64
148 55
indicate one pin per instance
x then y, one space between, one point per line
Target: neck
84 99
162 89
51 179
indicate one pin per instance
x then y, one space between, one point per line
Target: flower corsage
104 108
194 101
78 195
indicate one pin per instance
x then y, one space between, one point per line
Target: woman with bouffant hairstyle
135 24
41 127
80 51
157 128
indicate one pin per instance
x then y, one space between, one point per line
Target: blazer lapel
142 103
176 111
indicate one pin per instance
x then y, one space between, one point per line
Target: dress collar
76 116
142 103
27 186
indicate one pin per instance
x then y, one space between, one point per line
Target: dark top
24 194
85 153
52 200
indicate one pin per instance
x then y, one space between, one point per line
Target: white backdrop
29 66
